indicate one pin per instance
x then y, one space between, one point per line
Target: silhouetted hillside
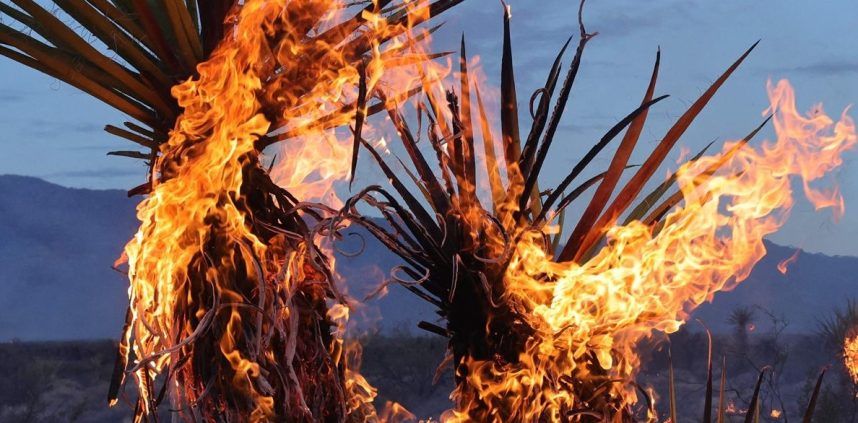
57 245
56 249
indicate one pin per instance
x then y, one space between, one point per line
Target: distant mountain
813 285
57 245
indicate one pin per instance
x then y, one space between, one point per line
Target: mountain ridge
57 245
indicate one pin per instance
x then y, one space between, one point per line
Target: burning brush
544 328
850 357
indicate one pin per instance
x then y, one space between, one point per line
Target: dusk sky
52 131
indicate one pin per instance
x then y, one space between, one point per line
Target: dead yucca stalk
718 414
458 252
229 313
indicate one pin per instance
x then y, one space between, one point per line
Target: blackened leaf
752 407
811 406
360 115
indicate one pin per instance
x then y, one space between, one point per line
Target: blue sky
54 132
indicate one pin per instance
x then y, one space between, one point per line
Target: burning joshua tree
229 296
543 327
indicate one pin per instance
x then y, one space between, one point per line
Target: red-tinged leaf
618 162
639 180
591 154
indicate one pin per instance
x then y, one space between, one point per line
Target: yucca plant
456 249
741 318
154 45
841 324
839 335
146 48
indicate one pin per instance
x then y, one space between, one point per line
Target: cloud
55 128
610 20
584 127
98 148
46 128
102 173
12 95
829 67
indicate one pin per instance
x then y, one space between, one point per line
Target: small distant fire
731 409
850 357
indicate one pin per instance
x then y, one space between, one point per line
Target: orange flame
267 73
649 279
221 108
850 357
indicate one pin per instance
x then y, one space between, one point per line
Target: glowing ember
649 279
733 410
783 266
850 357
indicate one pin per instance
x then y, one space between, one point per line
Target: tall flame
199 268
201 171
588 317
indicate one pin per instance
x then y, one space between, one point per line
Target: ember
784 265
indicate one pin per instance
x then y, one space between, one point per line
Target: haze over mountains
57 245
